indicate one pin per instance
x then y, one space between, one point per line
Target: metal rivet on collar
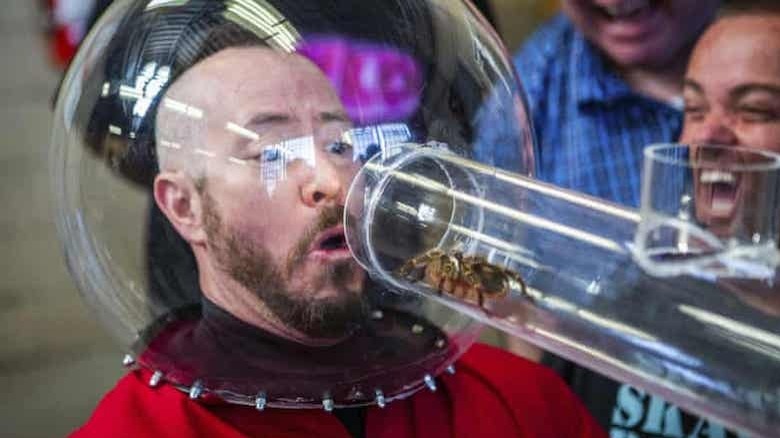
380 399
260 401
327 404
450 369
156 378
196 390
429 382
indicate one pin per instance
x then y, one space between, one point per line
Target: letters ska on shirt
638 414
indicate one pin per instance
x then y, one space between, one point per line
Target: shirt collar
595 81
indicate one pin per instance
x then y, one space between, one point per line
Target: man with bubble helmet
235 128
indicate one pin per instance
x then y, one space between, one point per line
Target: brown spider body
471 278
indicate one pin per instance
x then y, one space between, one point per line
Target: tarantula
471 278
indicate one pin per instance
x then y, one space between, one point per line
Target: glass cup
709 211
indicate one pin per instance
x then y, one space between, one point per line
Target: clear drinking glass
709 211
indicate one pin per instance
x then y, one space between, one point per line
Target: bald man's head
182 119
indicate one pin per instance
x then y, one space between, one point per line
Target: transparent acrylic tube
695 342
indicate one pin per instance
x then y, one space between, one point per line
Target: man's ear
179 200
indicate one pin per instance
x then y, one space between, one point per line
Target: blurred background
56 362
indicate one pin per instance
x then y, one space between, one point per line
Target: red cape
492 394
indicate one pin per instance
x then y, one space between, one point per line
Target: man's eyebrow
744 89
690 83
334 116
269 117
272 117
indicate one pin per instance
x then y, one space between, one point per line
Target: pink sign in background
375 83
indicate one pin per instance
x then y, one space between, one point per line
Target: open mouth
721 190
330 243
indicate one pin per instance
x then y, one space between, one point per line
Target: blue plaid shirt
590 126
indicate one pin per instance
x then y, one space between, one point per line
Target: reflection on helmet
205 220
375 83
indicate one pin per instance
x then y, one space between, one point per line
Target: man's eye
693 109
693 112
338 147
755 114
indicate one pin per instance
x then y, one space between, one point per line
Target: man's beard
253 267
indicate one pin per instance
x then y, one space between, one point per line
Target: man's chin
630 56
329 306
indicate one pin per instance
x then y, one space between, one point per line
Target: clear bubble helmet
202 153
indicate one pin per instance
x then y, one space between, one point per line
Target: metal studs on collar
327 404
156 378
260 401
429 382
196 390
380 398
450 369
128 360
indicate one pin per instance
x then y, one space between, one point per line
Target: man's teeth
717 176
625 9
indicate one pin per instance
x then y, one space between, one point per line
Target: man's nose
325 186
716 129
